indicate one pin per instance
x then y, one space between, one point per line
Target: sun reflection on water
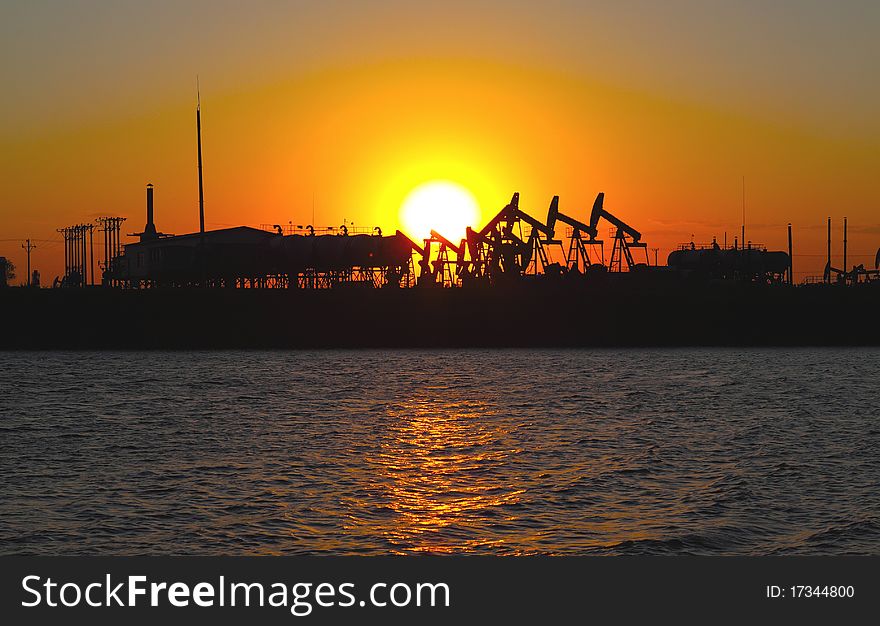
440 472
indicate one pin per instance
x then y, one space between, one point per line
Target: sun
441 205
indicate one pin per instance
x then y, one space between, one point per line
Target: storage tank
362 250
330 252
393 250
297 252
776 262
697 259
718 263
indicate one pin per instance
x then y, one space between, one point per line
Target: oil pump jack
625 237
409 270
839 274
441 266
842 276
858 273
578 255
497 252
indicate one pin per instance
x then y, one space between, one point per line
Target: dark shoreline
630 313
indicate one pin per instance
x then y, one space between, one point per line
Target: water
713 451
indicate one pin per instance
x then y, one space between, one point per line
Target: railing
712 246
292 229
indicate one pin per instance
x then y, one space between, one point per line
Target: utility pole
828 274
91 227
201 249
743 240
199 141
28 246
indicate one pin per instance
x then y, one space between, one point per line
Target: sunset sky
664 106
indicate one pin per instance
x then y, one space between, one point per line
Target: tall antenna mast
744 212
199 137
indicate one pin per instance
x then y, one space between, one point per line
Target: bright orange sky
352 105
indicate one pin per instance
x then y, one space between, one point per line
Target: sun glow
443 206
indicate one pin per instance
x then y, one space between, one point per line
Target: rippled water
714 451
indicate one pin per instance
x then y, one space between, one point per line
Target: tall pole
76 251
64 234
84 258
201 251
201 189
844 250
743 239
829 249
28 247
69 244
91 254
790 258
106 265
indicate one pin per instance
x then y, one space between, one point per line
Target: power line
37 240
